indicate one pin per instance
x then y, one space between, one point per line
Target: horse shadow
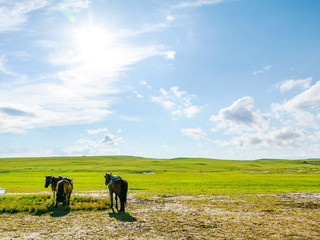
59 211
122 216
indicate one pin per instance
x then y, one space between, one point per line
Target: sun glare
92 40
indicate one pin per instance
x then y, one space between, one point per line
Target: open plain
168 199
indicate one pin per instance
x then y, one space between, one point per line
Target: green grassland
165 176
39 204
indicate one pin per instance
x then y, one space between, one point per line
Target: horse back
120 185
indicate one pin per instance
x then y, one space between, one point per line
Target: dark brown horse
64 190
118 186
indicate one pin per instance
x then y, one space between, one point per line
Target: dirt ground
291 216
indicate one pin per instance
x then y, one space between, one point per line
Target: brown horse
53 181
64 190
118 186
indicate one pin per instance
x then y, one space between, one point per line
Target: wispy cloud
96 142
303 108
285 137
266 68
170 55
287 85
170 18
144 83
13 14
198 3
3 68
72 5
177 102
195 133
24 152
89 61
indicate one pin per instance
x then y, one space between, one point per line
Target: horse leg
111 199
122 205
53 198
69 198
116 201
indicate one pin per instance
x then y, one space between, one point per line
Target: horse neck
54 181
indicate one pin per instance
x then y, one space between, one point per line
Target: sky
226 79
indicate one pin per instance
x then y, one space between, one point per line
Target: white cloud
144 83
119 130
138 95
13 14
304 107
170 55
97 131
198 3
195 133
287 85
190 111
241 117
266 68
169 105
295 124
97 142
80 92
73 5
177 102
111 139
285 137
3 68
23 152
170 18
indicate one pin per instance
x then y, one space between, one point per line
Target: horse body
118 186
64 190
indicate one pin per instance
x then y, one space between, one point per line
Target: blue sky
191 78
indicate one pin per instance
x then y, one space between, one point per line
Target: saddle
114 179
67 178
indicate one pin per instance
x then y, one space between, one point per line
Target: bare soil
289 216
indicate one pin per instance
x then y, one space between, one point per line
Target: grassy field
182 198
165 176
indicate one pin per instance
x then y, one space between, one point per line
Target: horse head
107 178
48 181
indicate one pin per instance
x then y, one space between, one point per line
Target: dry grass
290 216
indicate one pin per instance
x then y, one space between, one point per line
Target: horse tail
60 192
124 190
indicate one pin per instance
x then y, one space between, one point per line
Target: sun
91 41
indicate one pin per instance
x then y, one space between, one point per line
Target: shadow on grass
122 216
